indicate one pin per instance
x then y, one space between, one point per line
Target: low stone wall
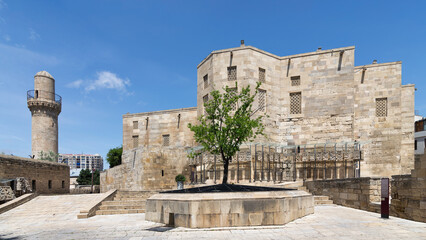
86 189
47 177
409 193
352 192
231 209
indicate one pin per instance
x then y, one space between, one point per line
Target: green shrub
180 178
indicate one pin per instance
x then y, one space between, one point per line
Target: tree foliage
227 123
85 177
114 156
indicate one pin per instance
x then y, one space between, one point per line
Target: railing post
255 160
325 162
250 166
215 169
263 157
315 162
238 167
335 161
269 164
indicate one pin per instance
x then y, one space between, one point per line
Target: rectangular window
295 81
49 184
63 184
232 73
381 107
205 100
232 92
262 74
135 141
296 103
135 125
415 144
262 100
166 140
206 81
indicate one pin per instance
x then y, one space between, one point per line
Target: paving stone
54 217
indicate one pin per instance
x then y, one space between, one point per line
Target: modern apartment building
82 161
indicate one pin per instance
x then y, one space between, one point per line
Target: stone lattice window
135 141
206 81
262 75
166 140
232 73
232 92
205 100
296 103
295 81
262 100
135 125
381 107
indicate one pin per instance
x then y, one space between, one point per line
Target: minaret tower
45 107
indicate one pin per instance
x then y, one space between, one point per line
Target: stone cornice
275 56
377 65
129 115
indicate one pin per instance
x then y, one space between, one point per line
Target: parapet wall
409 193
352 192
47 177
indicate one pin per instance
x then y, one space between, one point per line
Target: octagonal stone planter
230 209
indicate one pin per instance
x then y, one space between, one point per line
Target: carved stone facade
310 98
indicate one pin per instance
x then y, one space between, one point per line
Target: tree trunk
225 171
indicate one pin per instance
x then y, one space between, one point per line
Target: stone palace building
318 101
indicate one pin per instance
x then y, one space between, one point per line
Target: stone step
113 212
120 193
323 202
302 188
293 185
121 199
121 207
132 202
319 198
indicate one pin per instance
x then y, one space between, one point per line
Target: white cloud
2 4
75 84
108 80
34 35
6 37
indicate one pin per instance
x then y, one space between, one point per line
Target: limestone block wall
150 168
326 85
338 101
409 193
40 171
390 149
149 128
353 192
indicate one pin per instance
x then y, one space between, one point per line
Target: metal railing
40 94
275 162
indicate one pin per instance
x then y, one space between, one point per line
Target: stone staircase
125 202
322 200
318 200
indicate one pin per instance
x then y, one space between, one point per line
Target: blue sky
113 57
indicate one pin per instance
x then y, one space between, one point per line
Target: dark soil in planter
228 188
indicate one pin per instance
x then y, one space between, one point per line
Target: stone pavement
55 217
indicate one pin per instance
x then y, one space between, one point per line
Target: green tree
85 177
114 156
50 156
227 123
